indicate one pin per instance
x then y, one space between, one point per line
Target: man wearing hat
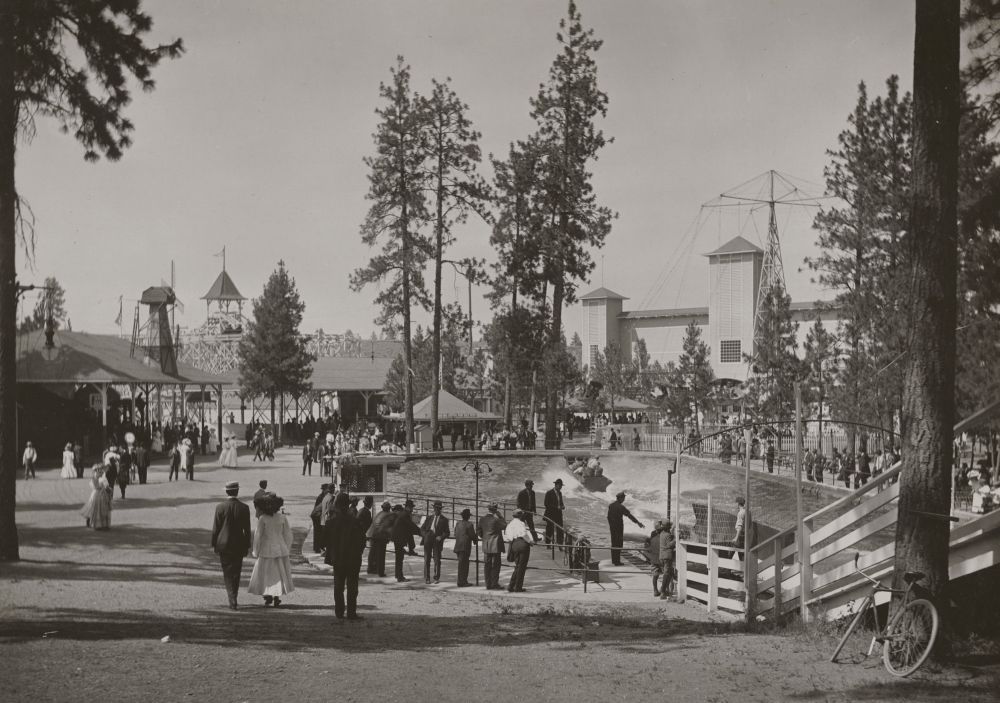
465 537
411 546
617 512
231 538
526 504
316 517
403 529
435 531
519 537
491 527
554 507
259 495
380 533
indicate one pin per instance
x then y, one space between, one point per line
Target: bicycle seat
912 576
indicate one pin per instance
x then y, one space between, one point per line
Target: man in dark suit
491 528
554 507
617 512
261 492
231 538
403 530
435 531
142 461
526 504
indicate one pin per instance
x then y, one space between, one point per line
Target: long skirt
272 576
98 509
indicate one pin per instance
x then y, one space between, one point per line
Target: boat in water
588 471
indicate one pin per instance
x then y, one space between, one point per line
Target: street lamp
477 467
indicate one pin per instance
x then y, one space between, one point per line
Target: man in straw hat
554 507
435 531
231 538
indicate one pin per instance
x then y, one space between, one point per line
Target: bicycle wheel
910 637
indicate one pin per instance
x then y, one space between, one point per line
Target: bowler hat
438 504
466 512
386 505
558 481
620 494
409 503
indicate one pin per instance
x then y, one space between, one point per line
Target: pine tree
862 248
695 371
820 367
776 365
72 62
565 111
929 390
397 189
273 354
456 189
616 372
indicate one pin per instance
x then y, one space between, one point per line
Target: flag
118 320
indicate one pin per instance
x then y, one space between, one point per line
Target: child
29 459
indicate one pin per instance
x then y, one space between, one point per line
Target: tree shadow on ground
131 502
304 628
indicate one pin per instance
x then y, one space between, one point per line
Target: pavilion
88 376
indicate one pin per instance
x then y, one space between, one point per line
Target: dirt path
82 617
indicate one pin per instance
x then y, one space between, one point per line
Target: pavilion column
131 392
104 416
219 413
184 416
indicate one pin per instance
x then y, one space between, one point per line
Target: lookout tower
223 293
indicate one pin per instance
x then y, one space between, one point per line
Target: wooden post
777 579
218 406
681 586
805 572
801 546
750 580
713 579
708 528
104 416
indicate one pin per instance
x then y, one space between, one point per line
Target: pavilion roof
80 357
450 409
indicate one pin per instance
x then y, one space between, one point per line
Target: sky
254 141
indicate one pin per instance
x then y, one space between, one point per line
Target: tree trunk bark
555 339
436 332
8 301
929 390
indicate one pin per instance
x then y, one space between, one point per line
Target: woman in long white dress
97 509
272 543
229 457
68 467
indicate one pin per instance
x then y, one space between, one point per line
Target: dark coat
381 527
526 500
231 529
443 531
403 527
345 541
365 518
553 503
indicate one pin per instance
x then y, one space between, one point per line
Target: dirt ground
82 617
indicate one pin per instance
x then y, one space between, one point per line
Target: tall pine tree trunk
929 390
407 361
555 339
436 333
8 301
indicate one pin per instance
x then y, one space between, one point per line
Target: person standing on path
231 539
316 517
78 459
617 512
403 530
491 527
344 548
174 457
520 540
28 460
272 543
554 508
380 533
526 504
307 457
142 462
187 458
465 537
68 469
435 531
666 553
365 516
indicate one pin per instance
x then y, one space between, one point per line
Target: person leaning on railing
666 540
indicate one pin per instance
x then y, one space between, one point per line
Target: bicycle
908 636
